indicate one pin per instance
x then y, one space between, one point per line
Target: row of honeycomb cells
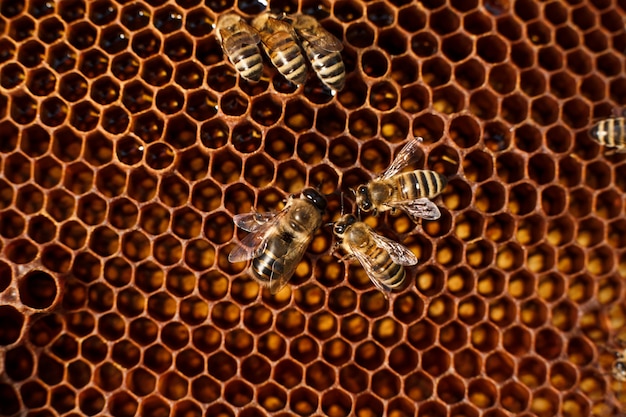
129 142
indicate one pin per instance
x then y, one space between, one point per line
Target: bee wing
318 37
406 155
282 272
368 267
421 208
241 33
259 225
399 253
252 221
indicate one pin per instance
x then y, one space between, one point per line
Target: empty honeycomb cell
491 49
146 44
41 82
374 63
484 104
380 14
21 28
456 48
93 63
246 138
392 41
21 251
435 361
12 75
105 90
470 74
129 150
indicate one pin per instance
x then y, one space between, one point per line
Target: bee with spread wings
277 241
382 259
408 191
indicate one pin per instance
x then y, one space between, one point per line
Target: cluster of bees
283 38
277 240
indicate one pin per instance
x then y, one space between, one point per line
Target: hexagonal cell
145 44
360 35
374 63
444 21
82 35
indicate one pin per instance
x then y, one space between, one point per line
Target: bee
618 369
281 46
277 241
322 48
239 41
409 191
610 132
382 259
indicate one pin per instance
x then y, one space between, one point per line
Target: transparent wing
406 155
422 208
368 266
399 253
282 272
255 242
252 221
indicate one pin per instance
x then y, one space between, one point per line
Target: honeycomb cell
435 361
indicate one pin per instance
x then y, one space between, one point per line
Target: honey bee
322 48
618 370
619 366
610 132
277 241
382 259
239 41
409 191
281 46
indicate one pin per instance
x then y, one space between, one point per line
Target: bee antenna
341 197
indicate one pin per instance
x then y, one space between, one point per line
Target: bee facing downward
611 133
281 47
409 191
277 241
382 259
322 48
239 41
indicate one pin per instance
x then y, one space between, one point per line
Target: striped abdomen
246 59
327 65
419 184
385 270
272 260
287 57
610 132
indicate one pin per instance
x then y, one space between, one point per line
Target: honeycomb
128 143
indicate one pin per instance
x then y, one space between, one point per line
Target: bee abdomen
387 271
288 59
610 132
249 63
329 68
420 184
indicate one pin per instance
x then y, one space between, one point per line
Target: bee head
342 224
315 197
363 198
